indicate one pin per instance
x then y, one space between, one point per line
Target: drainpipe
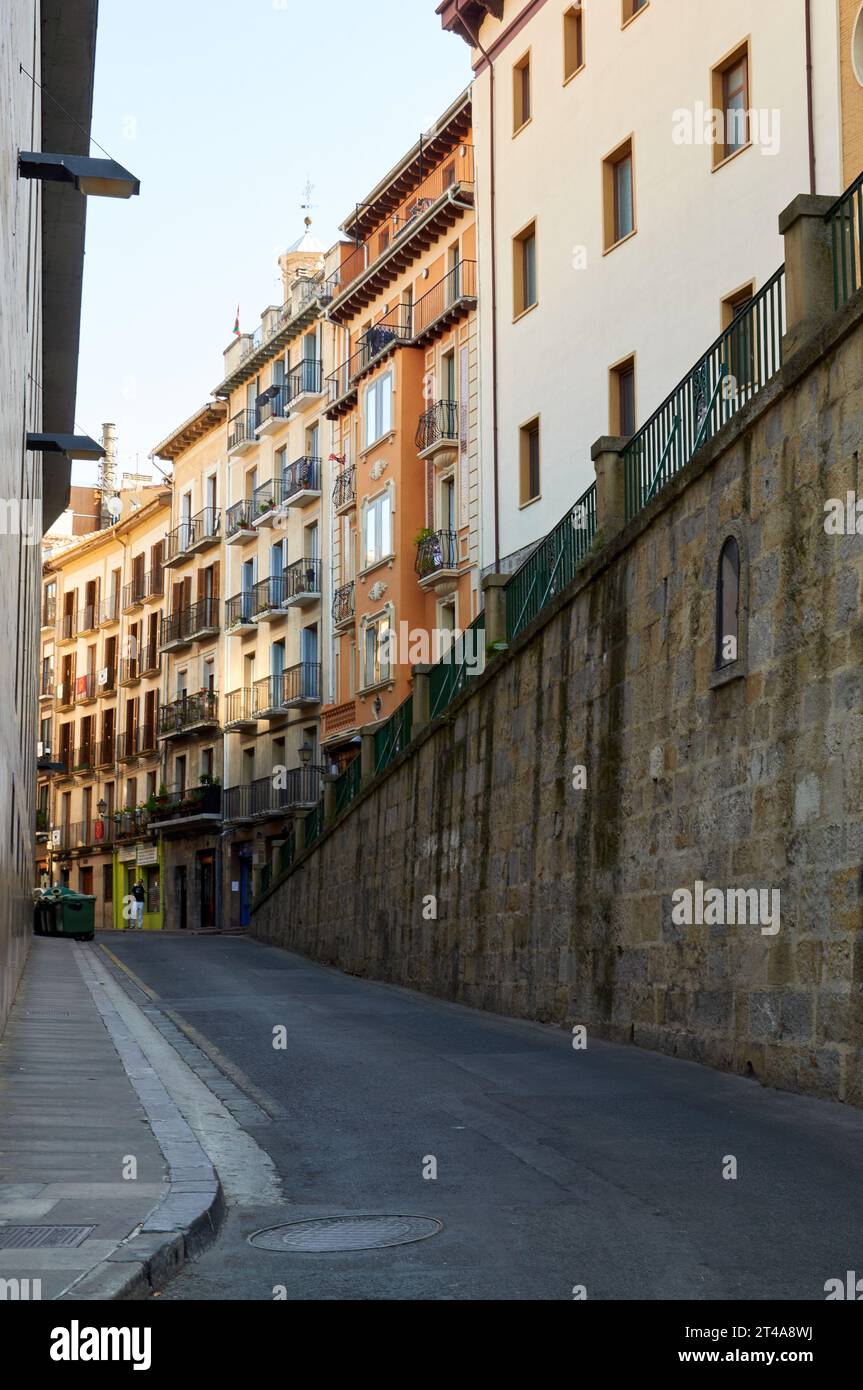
474 37
809 97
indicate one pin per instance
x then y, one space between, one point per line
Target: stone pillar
607 455
421 713
367 756
809 293
329 781
493 586
299 833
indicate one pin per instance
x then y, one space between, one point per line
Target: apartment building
186 818
405 525
45 47
630 158
99 701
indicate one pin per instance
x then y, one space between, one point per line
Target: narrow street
556 1168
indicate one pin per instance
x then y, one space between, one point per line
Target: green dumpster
69 913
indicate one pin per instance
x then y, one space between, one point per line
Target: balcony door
248 578
185 519
309 658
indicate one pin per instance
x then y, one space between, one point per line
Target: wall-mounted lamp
74 446
95 178
378 706
306 750
101 807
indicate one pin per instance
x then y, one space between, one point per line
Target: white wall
701 233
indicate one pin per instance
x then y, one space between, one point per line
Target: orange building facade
404 520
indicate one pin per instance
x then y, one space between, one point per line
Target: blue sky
224 109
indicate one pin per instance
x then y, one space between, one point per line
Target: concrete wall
20 409
701 233
555 903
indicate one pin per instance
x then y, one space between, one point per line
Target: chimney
107 484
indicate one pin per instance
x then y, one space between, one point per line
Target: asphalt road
556 1168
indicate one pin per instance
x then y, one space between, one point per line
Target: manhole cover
347 1233
30 1237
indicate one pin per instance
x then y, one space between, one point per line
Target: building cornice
202 423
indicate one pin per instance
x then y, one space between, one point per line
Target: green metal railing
733 370
845 220
552 565
314 824
348 785
285 856
465 659
393 736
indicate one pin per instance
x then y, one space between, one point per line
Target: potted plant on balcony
427 555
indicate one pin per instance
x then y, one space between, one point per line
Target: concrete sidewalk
79 1104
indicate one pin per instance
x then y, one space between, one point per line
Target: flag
237 323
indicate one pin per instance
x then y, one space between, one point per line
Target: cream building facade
616 237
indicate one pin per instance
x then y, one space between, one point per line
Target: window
378 530
631 8
730 96
619 194
622 398
376 662
573 41
728 605
524 270
379 409
521 109
529 463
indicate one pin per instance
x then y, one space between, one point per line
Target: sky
225 109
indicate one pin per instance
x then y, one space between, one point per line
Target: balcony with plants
189 714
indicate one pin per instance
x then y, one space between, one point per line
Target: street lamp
94 178
101 807
306 750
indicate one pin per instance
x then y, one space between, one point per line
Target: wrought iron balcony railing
437 552
272 405
239 518
437 425
188 802
345 488
49 611
266 497
109 609
239 705
306 378
304 475
268 595
241 429
142 587
344 604
88 618
458 285
302 581
239 611
188 712
278 794
180 540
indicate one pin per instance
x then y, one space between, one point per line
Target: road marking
145 989
247 1173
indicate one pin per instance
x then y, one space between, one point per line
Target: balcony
394 329
131 824
65 761
339 722
146 743
86 689
205 530
238 711
106 681
130 671
422 216
127 749
175 632
304 383
49 613
345 490
74 835
267 698
149 661
446 302
188 714
342 387
46 686
144 586
239 617
87 619
438 429
66 631
109 610
82 760
238 523
280 794
204 619
179 543
266 500
344 606
301 482
188 808
64 695
437 561
241 432
301 685
272 409
103 755
268 599
302 582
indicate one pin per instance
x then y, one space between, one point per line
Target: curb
188 1218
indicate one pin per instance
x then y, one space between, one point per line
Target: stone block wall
556 902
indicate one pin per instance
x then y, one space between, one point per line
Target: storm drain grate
33 1237
47 1013
345 1233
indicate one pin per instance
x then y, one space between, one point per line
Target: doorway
181 895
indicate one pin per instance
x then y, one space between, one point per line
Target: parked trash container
66 913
